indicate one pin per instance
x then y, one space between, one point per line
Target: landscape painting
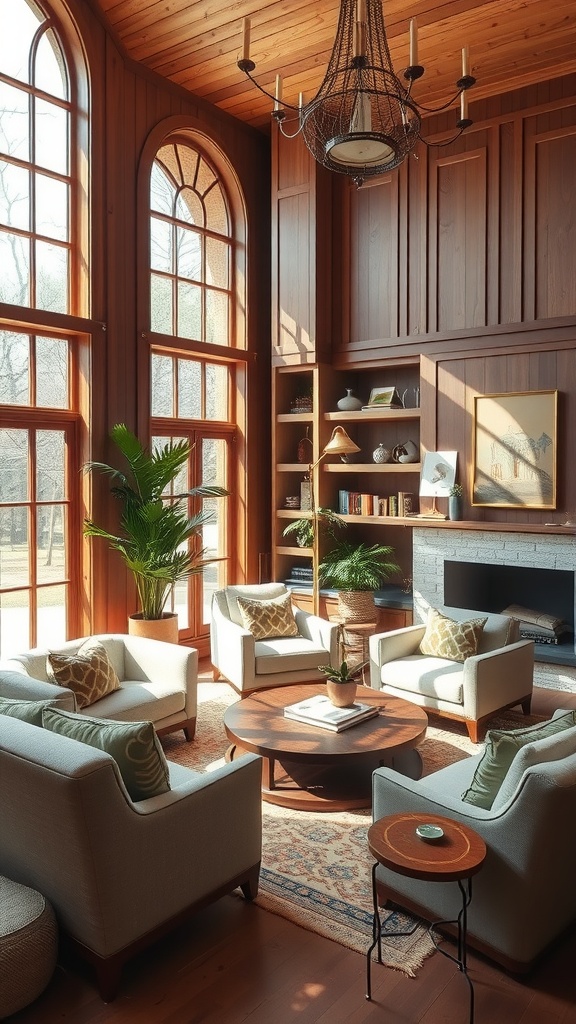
515 450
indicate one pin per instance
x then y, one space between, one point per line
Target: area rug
555 677
316 868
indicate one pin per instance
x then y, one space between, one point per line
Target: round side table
455 856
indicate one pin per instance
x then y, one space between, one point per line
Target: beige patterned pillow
89 672
446 638
266 619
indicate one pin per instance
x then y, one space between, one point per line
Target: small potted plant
303 528
455 502
356 571
341 682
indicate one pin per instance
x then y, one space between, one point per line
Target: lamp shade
340 443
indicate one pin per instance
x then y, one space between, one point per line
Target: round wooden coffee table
306 767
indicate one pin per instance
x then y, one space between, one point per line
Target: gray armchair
120 873
524 895
499 676
250 664
158 681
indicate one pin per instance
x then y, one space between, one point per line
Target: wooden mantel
469 524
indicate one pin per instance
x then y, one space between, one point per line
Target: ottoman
28 945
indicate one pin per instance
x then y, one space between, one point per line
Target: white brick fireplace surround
505 551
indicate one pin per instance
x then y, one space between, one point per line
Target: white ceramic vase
349 403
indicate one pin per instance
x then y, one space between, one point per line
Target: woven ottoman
28 945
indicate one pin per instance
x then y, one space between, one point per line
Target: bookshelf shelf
372 416
372 467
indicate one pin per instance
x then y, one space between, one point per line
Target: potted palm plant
155 526
356 571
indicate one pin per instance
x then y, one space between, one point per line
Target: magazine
319 710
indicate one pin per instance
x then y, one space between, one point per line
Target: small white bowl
429 832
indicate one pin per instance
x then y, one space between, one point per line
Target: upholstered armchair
119 872
524 895
250 664
158 681
500 675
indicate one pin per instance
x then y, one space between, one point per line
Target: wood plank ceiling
196 43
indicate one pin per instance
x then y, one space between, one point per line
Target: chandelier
363 120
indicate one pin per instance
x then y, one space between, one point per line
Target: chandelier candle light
363 121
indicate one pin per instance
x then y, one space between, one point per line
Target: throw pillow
89 672
26 710
501 748
267 619
134 746
446 638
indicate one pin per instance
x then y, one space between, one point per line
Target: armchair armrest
232 650
321 631
154 660
497 678
398 643
19 686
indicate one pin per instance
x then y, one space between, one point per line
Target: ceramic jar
381 454
407 452
455 507
349 403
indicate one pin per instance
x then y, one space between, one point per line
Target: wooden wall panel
554 210
374 277
295 329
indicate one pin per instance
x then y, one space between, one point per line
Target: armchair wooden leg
526 704
474 731
216 674
250 886
189 728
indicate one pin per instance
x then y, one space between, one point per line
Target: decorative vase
454 507
165 628
406 452
380 454
349 403
342 695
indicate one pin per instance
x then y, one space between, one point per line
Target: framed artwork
382 396
515 450
438 474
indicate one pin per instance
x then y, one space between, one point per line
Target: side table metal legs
377 933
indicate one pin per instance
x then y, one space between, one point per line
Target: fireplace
487 570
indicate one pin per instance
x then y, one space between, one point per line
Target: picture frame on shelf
438 474
383 398
515 450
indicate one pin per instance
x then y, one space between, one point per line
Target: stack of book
319 710
538 626
354 503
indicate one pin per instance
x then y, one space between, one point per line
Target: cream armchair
120 873
524 895
158 681
499 676
250 664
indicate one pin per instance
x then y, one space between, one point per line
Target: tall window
39 560
192 272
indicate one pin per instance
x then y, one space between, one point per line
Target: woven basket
356 606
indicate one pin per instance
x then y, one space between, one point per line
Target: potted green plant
155 526
356 571
303 528
341 682
455 502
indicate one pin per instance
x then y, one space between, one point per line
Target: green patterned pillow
134 746
267 619
501 749
446 638
89 672
26 710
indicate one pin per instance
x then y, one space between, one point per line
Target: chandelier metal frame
363 121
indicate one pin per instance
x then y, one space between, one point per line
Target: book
319 710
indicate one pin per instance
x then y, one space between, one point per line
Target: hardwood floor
238 964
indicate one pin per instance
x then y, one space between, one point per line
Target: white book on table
319 710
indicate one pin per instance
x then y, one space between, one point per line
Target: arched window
196 368
39 226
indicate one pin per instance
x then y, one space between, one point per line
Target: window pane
49 71
206 177
14 462
162 191
217 318
217 256
14 128
52 373
214 471
161 245
51 277
51 208
180 604
19 23
216 391
51 138
161 303
188 160
14 196
189 389
14 369
162 386
50 465
50 549
14 623
15 263
216 212
189 311
14 566
189 208
189 254
51 616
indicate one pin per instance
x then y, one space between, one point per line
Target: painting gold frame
515 450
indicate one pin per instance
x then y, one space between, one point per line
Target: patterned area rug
316 868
